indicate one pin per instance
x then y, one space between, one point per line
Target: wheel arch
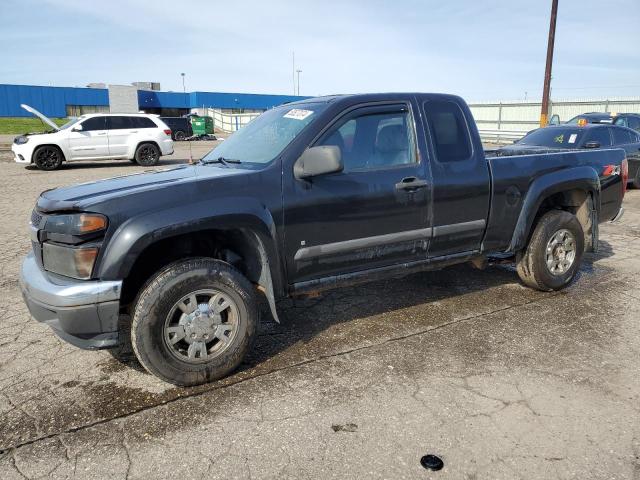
142 142
143 245
576 190
58 147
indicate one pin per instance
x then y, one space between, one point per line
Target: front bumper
21 153
83 313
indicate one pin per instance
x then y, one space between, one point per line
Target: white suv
140 138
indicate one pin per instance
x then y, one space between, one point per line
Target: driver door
91 141
372 214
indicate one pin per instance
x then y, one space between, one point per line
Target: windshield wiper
222 160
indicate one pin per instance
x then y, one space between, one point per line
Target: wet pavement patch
347 427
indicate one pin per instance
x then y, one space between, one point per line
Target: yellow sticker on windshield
559 138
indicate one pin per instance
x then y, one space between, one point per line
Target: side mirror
318 161
77 128
592 144
555 120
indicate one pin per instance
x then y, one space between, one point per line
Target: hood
35 112
77 197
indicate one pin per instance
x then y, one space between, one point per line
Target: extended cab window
370 139
94 123
448 131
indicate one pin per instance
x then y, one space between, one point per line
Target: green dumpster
202 125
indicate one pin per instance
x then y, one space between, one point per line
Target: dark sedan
591 135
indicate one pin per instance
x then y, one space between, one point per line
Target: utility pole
547 70
298 72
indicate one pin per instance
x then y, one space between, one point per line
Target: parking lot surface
498 380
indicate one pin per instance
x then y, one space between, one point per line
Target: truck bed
517 179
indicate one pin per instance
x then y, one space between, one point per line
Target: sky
482 50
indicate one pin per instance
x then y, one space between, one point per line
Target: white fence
227 122
525 116
498 122
504 122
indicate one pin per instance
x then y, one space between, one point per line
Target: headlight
75 262
22 139
77 224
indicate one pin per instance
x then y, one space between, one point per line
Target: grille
36 218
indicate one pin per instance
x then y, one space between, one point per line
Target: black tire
147 154
48 157
156 305
133 160
635 183
179 135
531 263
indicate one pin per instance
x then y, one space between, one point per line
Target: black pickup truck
311 195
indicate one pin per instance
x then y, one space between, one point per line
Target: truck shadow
369 310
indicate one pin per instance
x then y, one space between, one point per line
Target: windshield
72 121
262 139
554 137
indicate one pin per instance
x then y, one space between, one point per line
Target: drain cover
432 462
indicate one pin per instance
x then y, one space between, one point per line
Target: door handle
411 184
133 131
102 133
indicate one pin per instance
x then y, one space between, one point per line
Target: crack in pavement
9 449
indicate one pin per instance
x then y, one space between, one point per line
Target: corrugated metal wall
52 101
525 116
152 99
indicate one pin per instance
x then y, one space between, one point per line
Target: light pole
298 72
184 91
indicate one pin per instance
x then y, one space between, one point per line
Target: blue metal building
61 101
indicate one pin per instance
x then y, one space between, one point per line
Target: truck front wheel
194 321
554 253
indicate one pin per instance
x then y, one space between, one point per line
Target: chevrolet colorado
311 195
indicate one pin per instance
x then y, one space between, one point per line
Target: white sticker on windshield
572 137
298 114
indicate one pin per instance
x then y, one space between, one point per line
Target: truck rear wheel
194 321
554 253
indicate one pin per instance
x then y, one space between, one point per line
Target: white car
139 137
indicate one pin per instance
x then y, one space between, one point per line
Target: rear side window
634 123
621 136
448 131
94 123
600 135
120 123
143 122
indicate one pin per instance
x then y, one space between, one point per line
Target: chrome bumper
84 313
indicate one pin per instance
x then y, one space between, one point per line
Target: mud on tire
169 342
554 253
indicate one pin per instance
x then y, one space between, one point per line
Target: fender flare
576 178
136 234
